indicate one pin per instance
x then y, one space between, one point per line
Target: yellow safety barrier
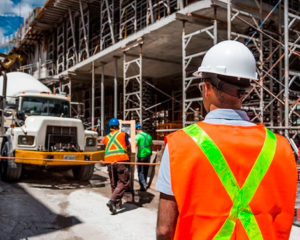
57 158
64 158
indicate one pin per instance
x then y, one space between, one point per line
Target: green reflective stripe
145 146
215 157
261 166
253 181
145 140
118 144
240 197
113 141
110 140
117 152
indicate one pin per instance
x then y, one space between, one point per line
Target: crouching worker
116 145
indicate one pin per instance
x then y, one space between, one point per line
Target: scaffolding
133 86
192 101
84 24
60 62
71 55
270 29
107 21
271 100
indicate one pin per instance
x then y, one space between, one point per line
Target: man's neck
214 107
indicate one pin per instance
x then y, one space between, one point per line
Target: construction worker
116 145
225 177
144 142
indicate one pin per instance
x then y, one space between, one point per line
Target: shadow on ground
136 201
144 198
59 179
23 216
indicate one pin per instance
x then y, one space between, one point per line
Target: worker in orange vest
116 145
226 177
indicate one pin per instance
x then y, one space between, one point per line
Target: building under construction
135 59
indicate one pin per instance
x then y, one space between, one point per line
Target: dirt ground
52 205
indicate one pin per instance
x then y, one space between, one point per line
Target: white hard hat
229 58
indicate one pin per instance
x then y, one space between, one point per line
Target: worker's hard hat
138 127
113 122
229 59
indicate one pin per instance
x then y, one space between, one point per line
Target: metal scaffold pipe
183 75
261 57
229 20
93 95
286 67
115 86
102 101
263 21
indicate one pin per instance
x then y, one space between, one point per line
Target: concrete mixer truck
37 126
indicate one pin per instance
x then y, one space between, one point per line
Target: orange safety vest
229 182
115 147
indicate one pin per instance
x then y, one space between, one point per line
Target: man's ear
207 89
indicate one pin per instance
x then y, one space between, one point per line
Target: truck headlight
25 140
90 142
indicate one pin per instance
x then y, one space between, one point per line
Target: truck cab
38 126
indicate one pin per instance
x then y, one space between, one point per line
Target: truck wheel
83 173
10 171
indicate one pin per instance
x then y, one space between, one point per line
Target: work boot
112 206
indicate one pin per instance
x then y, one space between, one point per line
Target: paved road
52 206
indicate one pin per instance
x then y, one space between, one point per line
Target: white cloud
6 6
9 9
23 8
2 31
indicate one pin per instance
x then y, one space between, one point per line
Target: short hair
225 84
114 127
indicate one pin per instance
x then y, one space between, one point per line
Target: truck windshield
45 107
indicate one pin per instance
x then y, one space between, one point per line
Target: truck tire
83 173
9 170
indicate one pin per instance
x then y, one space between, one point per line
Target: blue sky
12 14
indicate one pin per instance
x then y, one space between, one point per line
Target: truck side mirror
21 115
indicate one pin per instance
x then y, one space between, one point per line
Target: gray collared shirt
218 116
